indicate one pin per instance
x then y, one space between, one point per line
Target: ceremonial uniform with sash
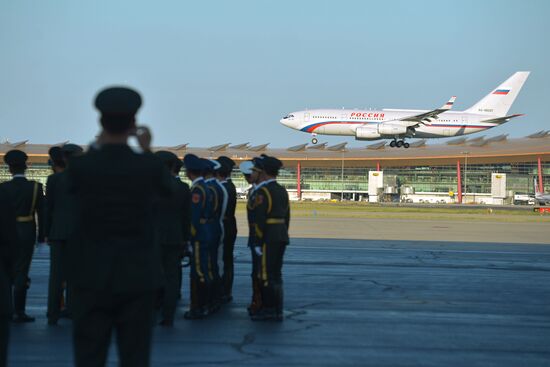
229 226
201 237
246 169
220 204
272 217
27 197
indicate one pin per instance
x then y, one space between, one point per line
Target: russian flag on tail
501 91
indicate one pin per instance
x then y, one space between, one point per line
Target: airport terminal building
495 170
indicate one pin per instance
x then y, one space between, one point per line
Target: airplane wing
424 117
501 120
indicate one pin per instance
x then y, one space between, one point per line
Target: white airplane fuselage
490 111
345 122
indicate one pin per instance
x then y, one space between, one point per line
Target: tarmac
357 302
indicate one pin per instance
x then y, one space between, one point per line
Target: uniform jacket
229 221
113 247
60 208
250 204
27 197
202 212
8 248
271 213
173 215
220 203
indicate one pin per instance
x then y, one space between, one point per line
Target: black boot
19 301
198 296
279 302
268 311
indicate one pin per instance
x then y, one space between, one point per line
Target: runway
353 302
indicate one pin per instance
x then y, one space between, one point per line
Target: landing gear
399 144
314 140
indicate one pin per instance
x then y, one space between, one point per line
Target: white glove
258 250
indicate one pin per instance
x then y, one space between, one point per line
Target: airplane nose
285 121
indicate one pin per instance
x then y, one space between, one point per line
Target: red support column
298 181
459 181
541 186
378 166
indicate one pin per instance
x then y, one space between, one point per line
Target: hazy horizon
220 72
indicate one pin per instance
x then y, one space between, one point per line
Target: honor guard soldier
115 265
201 236
220 205
229 225
272 217
8 248
251 176
27 197
60 216
173 224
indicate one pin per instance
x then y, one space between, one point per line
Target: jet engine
378 130
367 133
391 129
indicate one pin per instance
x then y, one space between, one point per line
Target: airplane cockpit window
291 116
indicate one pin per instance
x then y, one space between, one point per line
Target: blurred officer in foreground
27 197
8 246
173 221
272 217
202 218
229 225
251 176
115 265
60 216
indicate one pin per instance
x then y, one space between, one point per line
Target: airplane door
306 116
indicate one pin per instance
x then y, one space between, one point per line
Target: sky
213 72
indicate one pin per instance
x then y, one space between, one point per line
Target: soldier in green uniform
8 246
115 266
202 221
251 176
27 197
60 214
173 224
272 218
223 174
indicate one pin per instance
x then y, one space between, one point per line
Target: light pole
465 172
342 194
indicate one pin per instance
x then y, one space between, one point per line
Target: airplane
399 124
540 196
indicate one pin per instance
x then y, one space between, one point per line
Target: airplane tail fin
499 101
